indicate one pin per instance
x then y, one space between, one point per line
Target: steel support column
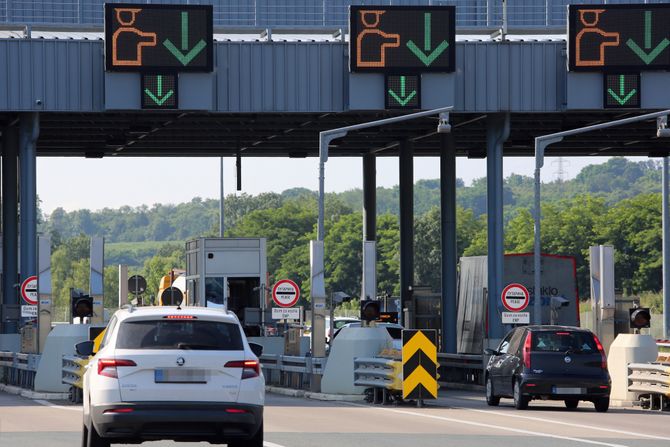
9 222
666 248
497 131
369 197
406 185
28 193
449 248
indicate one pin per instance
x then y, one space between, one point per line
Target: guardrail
461 368
19 369
291 371
651 382
383 375
73 375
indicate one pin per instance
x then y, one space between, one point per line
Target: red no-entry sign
515 297
285 293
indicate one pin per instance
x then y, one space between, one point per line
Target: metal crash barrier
651 382
19 369
383 375
461 368
291 371
73 372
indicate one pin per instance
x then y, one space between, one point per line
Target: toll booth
228 273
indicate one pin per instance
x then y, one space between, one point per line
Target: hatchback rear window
179 334
562 341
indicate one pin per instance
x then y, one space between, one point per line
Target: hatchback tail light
603 356
526 351
107 367
250 368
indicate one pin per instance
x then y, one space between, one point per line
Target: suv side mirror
489 351
84 348
256 349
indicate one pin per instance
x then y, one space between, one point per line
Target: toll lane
456 419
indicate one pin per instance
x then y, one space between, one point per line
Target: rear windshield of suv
179 334
562 341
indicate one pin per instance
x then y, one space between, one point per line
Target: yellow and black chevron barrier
419 364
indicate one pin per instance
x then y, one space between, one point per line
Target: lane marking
489 426
571 424
58 407
271 444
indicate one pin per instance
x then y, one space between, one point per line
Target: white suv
185 374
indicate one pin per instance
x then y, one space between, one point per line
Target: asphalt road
457 419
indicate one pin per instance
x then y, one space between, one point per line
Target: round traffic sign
515 297
137 284
29 290
285 293
172 296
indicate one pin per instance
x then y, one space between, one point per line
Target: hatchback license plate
178 375
558 390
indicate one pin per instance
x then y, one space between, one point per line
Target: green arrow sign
622 97
402 99
158 97
650 54
185 56
426 55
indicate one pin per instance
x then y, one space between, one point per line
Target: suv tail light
603 356
250 368
526 351
107 367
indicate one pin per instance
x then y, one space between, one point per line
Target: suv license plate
558 390
179 375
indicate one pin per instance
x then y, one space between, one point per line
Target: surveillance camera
443 125
38 102
662 126
663 133
558 301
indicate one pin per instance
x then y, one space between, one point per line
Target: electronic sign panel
622 91
402 39
403 92
142 37
159 91
619 37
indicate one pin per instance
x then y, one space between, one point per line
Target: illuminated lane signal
159 91
624 37
622 91
403 92
402 39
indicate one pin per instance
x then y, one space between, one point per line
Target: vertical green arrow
426 55
185 56
158 97
401 98
650 54
622 97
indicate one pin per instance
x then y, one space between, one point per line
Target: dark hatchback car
549 363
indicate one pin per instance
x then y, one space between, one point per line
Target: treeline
616 203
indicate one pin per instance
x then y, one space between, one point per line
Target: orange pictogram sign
127 17
370 36
590 19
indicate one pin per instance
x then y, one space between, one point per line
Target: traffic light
640 317
81 304
370 310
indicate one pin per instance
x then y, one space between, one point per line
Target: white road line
488 426
271 444
58 407
571 424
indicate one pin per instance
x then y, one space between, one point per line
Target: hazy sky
75 183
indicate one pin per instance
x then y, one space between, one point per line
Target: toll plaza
133 80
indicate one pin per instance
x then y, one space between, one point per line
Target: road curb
315 396
30 394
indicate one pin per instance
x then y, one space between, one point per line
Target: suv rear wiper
195 346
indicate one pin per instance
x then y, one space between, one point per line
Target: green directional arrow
159 98
185 56
622 97
402 99
426 55
651 53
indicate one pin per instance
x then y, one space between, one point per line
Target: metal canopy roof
133 134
